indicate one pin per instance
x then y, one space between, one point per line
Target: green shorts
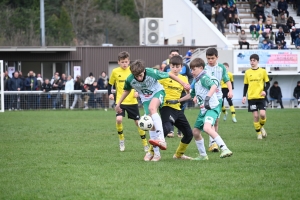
220 107
209 117
159 95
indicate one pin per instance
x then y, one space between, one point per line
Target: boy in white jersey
151 92
213 68
204 90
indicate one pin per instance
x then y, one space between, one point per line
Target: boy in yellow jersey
256 83
225 95
171 113
130 104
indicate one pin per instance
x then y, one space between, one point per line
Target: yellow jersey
173 90
256 79
117 78
224 85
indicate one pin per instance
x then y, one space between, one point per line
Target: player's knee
208 128
187 137
167 126
230 102
152 110
119 119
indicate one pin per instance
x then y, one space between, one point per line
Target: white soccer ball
145 123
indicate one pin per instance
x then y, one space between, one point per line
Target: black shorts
132 111
256 104
176 117
225 92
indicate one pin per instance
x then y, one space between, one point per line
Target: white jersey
149 86
200 89
220 73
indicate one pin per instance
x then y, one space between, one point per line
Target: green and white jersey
218 71
149 86
201 88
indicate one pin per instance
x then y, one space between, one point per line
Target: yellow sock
120 131
257 127
223 109
151 149
232 110
262 121
143 136
181 149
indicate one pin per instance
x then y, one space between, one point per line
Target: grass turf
75 155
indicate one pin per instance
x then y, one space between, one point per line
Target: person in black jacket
31 84
200 5
260 12
296 93
275 93
220 17
6 97
207 10
46 98
57 85
15 84
78 85
282 7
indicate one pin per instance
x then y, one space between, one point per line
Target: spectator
279 37
200 5
63 84
22 97
46 98
53 77
6 82
230 19
297 42
220 17
188 55
86 97
31 84
235 9
57 85
93 97
166 62
15 84
69 86
265 45
243 39
40 81
259 29
275 93
260 12
290 22
230 2
298 7
265 36
282 7
236 24
296 93
252 28
273 6
281 21
294 34
252 5
78 85
268 12
207 10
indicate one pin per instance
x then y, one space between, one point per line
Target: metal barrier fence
32 100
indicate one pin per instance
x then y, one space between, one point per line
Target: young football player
225 95
171 112
256 84
130 104
204 89
145 82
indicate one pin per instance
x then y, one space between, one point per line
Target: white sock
211 141
153 135
220 143
201 147
158 126
156 151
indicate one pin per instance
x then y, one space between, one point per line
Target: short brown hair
226 64
197 62
137 67
123 55
176 60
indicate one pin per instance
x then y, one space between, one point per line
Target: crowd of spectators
54 100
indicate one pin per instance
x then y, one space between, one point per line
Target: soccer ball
145 123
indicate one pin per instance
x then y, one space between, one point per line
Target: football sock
156 151
232 110
152 135
201 147
143 136
211 140
257 127
120 131
158 126
220 142
151 150
181 149
262 121
223 109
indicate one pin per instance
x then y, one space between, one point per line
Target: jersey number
146 92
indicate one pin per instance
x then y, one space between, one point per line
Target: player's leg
183 125
134 113
232 109
213 147
119 126
209 120
199 140
262 117
225 93
252 107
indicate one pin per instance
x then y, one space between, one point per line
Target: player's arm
226 80
124 95
212 90
266 87
110 85
245 93
186 86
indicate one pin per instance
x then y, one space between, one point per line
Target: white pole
42 23
2 87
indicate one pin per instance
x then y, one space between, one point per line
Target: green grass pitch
75 155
